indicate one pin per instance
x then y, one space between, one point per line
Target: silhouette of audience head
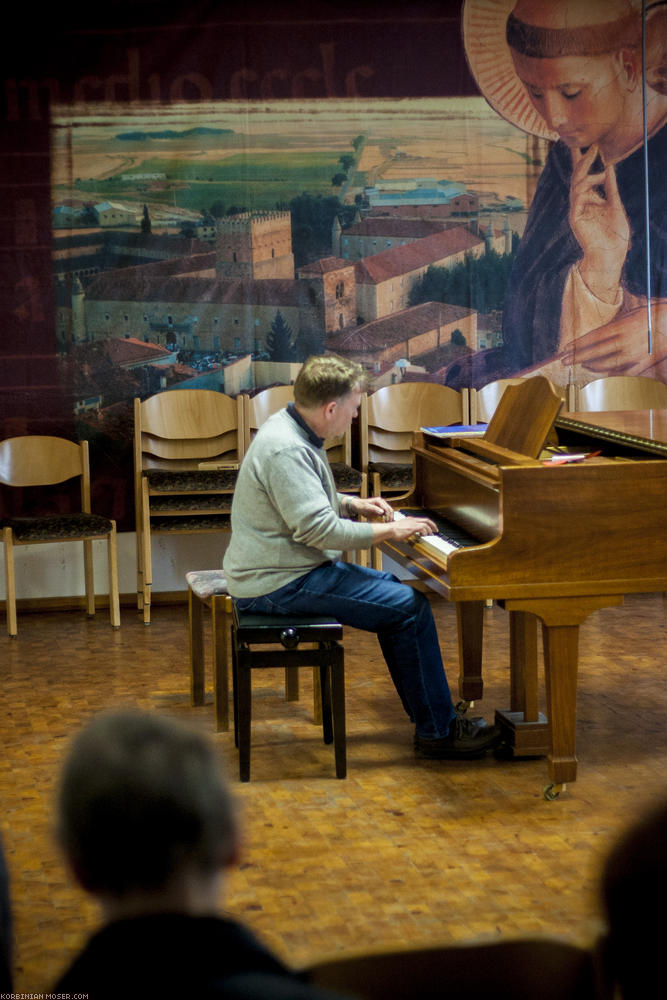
145 817
634 887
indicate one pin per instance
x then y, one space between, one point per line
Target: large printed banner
195 196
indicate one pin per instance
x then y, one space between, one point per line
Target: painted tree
279 341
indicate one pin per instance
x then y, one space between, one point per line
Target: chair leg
196 636
114 599
89 577
147 568
220 619
140 571
10 582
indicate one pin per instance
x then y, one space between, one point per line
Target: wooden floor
401 852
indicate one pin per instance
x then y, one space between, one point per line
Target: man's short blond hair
324 378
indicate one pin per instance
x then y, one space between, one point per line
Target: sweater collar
314 438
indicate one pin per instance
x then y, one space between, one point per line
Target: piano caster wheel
552 792
462 706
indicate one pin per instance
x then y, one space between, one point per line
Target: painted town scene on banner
208 250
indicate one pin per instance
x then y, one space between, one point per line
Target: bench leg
196 632
220 630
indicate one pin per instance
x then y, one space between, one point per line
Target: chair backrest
390 416
622 392
43 460
262 406
531 968
483 402
180 428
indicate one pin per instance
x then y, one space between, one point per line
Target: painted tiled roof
388 226
130 350
324 265
402 260
147 284
399 326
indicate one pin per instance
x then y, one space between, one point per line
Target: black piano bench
251 634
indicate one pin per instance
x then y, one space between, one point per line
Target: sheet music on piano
455 430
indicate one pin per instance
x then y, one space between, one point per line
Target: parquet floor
401 852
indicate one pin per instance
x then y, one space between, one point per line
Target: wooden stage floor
402 852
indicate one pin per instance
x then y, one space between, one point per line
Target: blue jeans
400 616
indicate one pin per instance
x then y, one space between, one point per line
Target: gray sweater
285 512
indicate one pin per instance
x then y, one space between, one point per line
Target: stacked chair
188 446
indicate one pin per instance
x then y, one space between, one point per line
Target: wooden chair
388 419
523 969
188 445
347 478
263 405
484 401
622 392
42 461
260 407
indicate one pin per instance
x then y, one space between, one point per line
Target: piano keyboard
449 537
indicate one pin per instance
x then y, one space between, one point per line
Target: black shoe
468 739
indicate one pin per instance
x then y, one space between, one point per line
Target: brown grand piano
548 543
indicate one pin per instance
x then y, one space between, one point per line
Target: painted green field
253 180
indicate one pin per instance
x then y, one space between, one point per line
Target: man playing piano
290 528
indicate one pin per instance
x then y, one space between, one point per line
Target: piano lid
629 432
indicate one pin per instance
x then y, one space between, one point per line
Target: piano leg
470 621
525 728
561 618
561 655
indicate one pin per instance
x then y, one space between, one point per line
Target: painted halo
490 62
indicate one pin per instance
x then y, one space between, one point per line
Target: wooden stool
208 589
288 632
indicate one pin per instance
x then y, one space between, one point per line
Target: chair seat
179 524
190 480
393 475
345 477
52 526
172 503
